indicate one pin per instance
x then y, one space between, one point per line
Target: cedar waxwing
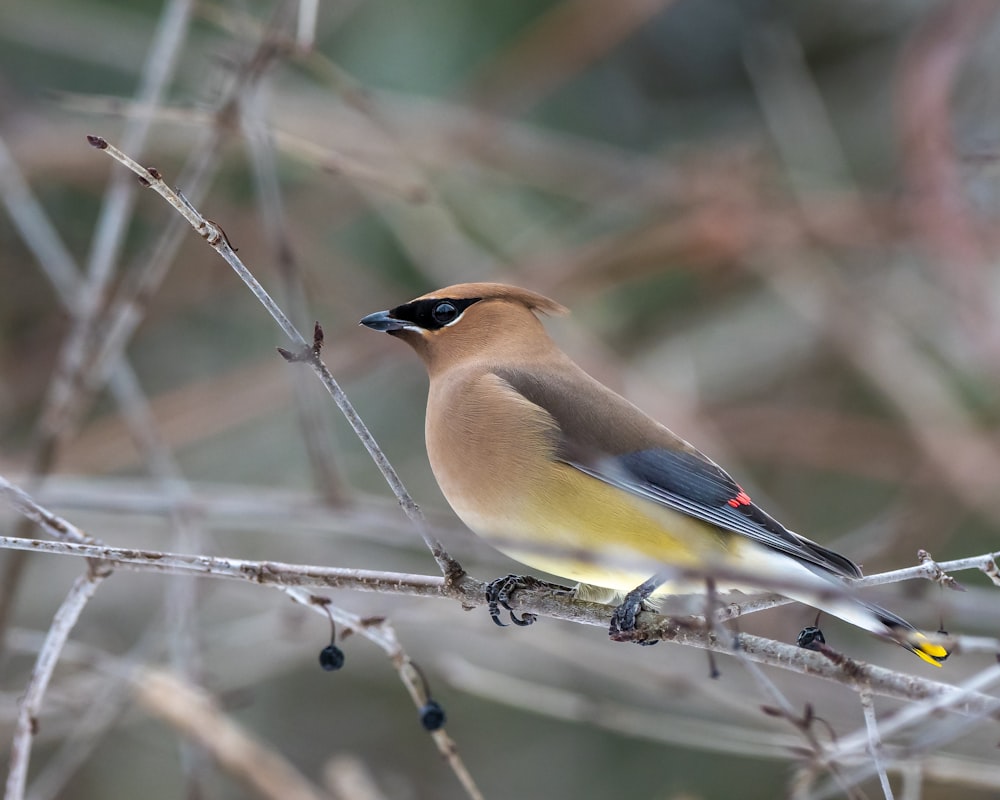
564 475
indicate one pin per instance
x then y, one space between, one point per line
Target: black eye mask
433 313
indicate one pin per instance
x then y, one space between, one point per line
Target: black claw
494 609
500 592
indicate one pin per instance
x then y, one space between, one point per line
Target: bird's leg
711 624
499 592
623 617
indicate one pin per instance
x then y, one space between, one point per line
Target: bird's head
489 320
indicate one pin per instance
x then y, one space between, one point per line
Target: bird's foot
623 618
500 592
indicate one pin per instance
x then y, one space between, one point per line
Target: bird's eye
444 312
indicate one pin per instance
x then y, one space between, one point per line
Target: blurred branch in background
774 222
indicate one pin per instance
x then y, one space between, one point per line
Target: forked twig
216 238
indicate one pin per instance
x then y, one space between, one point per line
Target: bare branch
267 573
27 716
470 592
875 741
216 238
382 634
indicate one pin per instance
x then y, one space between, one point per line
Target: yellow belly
579 528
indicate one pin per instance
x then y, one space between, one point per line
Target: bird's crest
499 291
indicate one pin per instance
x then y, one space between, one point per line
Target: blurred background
775 223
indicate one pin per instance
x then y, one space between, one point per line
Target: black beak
382 321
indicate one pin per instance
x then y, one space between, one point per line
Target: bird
566 476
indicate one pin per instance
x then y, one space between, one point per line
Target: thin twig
875 741
267 573
726 737
381 633
107 705
931 570
128 309
113 220
216 238
27 716
932 732
803 723
559 702
314 422
914 714
162 59
58 265
54 525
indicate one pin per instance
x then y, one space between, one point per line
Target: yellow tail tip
929 651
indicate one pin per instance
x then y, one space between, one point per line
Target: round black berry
331 658
432 715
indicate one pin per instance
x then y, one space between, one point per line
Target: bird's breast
490 449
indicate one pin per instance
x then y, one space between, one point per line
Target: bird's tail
909 637
879 621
